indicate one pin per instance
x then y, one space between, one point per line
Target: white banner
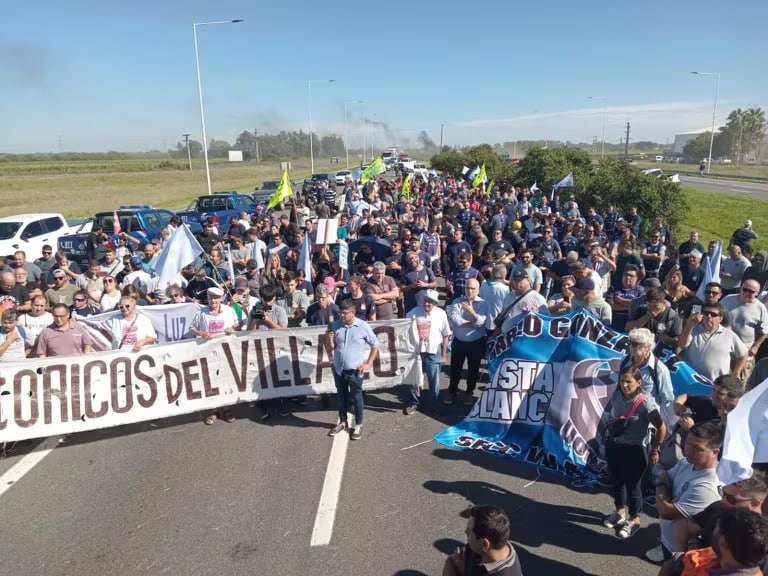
51 396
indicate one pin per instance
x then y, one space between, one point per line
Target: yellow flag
405 191
480 178
283 191
489 188
374 169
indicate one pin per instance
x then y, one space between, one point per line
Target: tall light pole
714 113
605 108
346 127
311 146
370 119
200 92
189 154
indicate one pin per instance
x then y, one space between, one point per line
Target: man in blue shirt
350 335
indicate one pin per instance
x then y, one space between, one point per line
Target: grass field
717 215
79 194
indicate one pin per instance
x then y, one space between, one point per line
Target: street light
370 119
714 112
346 127
605 105
311 147
200 92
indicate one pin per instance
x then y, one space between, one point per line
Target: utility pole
189 154
256 139
626 143
441 136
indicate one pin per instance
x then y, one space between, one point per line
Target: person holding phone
488 549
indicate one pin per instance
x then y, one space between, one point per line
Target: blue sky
106 75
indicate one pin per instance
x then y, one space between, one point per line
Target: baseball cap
251 263
585 284
330 282
517 224
520 275
500 253
59 272
137 262
214 291
432 296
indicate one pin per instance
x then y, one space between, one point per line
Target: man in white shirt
432 330
216 319
128 329
35 321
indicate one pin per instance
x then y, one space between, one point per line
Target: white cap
214 291
432 295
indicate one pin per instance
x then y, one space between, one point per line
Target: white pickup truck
30 232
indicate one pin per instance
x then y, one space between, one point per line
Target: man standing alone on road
349 337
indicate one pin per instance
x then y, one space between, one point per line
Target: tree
699 148
246 142
219 149
618 183
547 167
195 149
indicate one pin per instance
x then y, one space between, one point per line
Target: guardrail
742 177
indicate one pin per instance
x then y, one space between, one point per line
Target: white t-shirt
16 350
127 331
531 302
215 325
33 325
429 328
692 491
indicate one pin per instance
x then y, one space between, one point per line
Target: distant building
681 140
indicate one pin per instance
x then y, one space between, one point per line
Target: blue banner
550 380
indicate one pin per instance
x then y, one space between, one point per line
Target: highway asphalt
757 190
177 497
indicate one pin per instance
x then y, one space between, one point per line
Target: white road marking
414 446
20 469
329 497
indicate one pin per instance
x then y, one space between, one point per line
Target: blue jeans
431 364
349 384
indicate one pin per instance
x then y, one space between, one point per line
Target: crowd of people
463 263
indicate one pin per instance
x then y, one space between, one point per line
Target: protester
657 383
467 316
129 329
63 337
522 298
34 321
689 487
350 336
12 337
711 349
488 549
432 331
630 412
62 291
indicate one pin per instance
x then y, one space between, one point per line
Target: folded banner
550 380
45 397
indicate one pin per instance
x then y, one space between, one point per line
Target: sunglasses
711 314
748 291
78 299
48 252
60 277
711 292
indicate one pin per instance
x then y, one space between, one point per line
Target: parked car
143 222
341 177
263 194
219 207
659 173
30 232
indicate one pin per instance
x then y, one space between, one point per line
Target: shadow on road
535 523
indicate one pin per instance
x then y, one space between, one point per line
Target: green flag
374 169
405 191
489 188
480 178
283 191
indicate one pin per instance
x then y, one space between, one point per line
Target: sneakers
605 480
655 555
628 529
409 410
357 433
265 414
282 409
450 399
469 399
340 427
615 519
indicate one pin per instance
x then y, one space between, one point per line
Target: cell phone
696 309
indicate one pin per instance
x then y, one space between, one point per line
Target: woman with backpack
630 413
